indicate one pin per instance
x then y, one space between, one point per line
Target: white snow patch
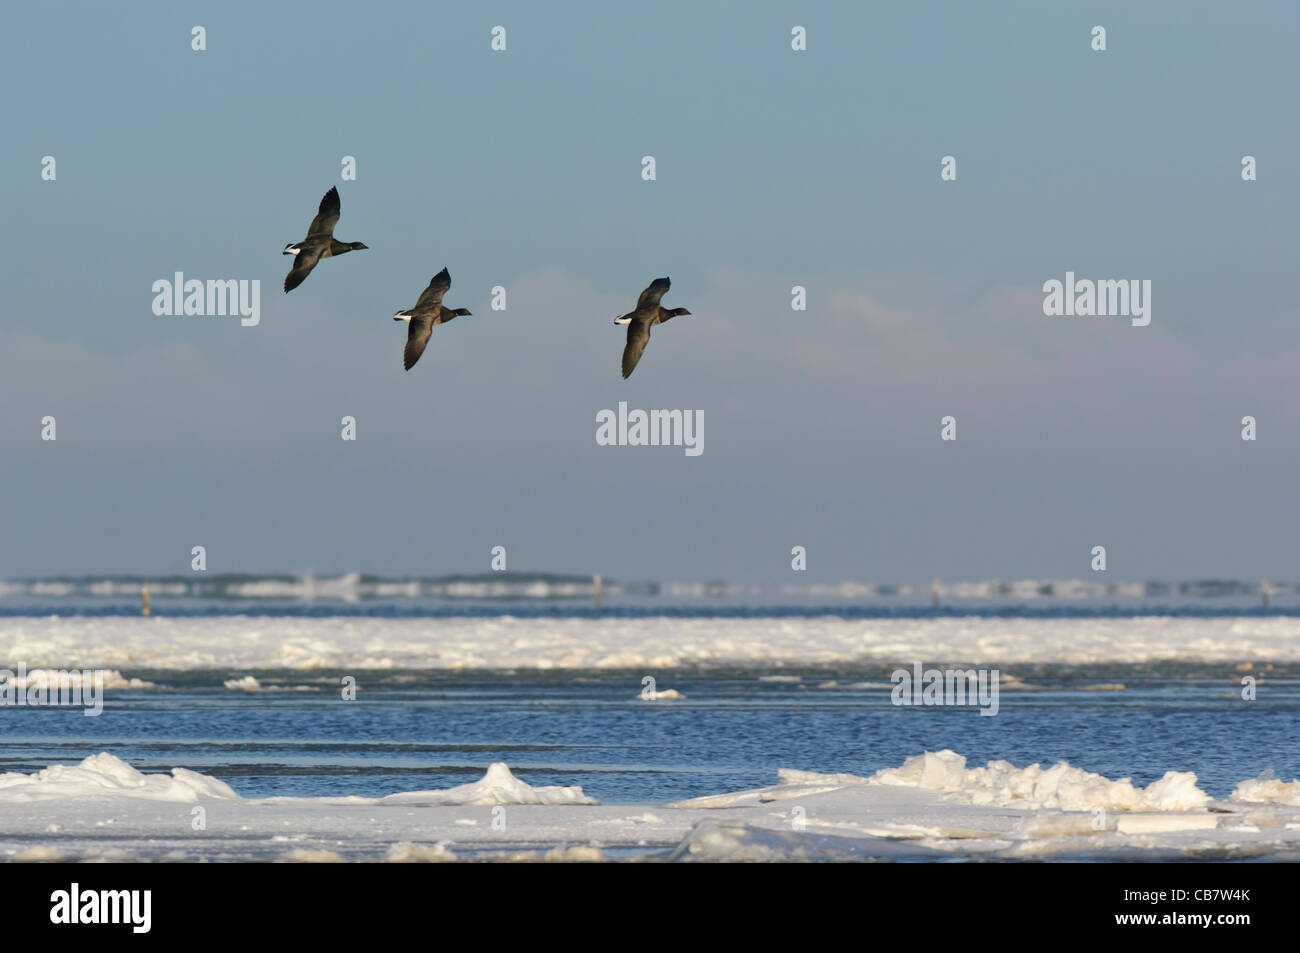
581 853
408 853
41 853
1060 824
931 806
251 684
735 841
1268 789
1153 823
793 784
249 643
103 775
1061 786
497 786
307 855
74 679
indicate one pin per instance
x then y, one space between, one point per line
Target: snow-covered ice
255 642
934 805
52 680
104 776
931 807
1268 788
497 786
1060 786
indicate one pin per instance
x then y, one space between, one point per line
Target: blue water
421 730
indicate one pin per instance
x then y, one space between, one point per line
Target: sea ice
1268 789
931 806
103 775
497 786
649 643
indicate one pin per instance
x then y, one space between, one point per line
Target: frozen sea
1123 689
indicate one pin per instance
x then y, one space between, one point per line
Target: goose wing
431 300
327 215
650 297
417 336
303 263
638 336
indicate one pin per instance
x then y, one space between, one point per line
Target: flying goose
319 243
647 313
427 312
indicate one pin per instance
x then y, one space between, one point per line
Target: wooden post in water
144 598
1263 592
597 586
934 593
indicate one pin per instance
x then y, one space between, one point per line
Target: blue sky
775 168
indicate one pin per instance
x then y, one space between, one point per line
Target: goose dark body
319 243
648 313
427 312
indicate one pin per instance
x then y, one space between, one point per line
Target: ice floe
53 680
1268 789
736 841
250 683
931 807
103 775
408 853
497 786
1060 786
271 643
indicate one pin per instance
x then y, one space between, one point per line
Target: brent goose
647 313
427 312
319 243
